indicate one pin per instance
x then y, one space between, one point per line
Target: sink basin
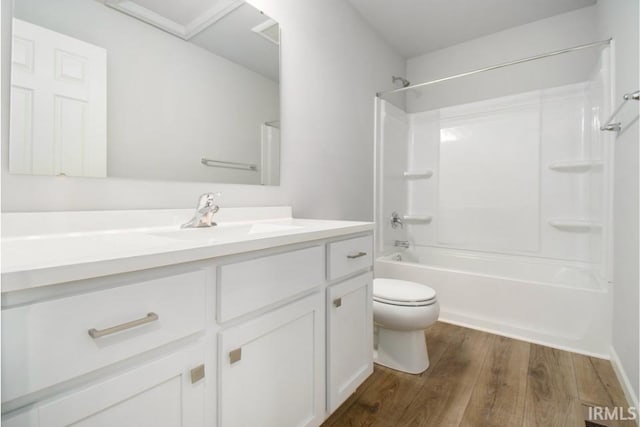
189 234
226 232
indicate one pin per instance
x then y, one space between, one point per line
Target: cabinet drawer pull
98 333
337 302
235 355
358 255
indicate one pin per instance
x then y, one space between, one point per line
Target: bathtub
554 303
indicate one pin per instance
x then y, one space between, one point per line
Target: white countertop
82 245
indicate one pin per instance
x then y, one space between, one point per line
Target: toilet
401 312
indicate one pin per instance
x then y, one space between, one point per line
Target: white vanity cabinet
349 303
349 337
164 392
61 337
272 369
273 337
115 351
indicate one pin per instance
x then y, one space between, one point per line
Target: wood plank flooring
478 379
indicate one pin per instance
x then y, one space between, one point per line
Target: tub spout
401 244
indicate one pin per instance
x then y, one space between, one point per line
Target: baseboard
623 379
498 329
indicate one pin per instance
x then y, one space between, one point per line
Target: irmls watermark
616 413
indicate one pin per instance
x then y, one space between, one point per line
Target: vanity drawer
250 285
52 341
349 256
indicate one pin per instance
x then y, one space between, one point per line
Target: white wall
332 65
619 19
558 32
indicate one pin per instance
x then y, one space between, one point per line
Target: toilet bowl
401 312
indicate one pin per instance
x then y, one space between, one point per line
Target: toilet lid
394 291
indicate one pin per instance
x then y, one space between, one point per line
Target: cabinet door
158 394
272 368
349 337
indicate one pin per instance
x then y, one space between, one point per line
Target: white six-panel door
58 104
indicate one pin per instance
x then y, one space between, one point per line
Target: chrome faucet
401 244
396 220
204 212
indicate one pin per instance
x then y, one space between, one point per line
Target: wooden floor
480 379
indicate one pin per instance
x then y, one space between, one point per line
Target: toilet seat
405 303
402 293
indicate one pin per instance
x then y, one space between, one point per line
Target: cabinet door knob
197 374
337 302
235 355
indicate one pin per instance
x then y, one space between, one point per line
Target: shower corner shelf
418 174
575 165
576 225
424 219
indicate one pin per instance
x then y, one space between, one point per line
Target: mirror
145 89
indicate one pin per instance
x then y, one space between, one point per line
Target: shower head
404 81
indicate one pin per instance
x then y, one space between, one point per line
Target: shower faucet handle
396 220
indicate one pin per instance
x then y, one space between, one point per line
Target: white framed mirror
146 89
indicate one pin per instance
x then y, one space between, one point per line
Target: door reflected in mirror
154 90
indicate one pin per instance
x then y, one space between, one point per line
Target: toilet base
404 351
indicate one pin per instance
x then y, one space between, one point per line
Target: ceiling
184 19
414 27
235 38
180 12
229 28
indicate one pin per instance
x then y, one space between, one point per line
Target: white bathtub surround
120 318
545 302
43 248
492 189
517 240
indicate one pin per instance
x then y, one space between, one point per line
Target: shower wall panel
488 195
504 175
